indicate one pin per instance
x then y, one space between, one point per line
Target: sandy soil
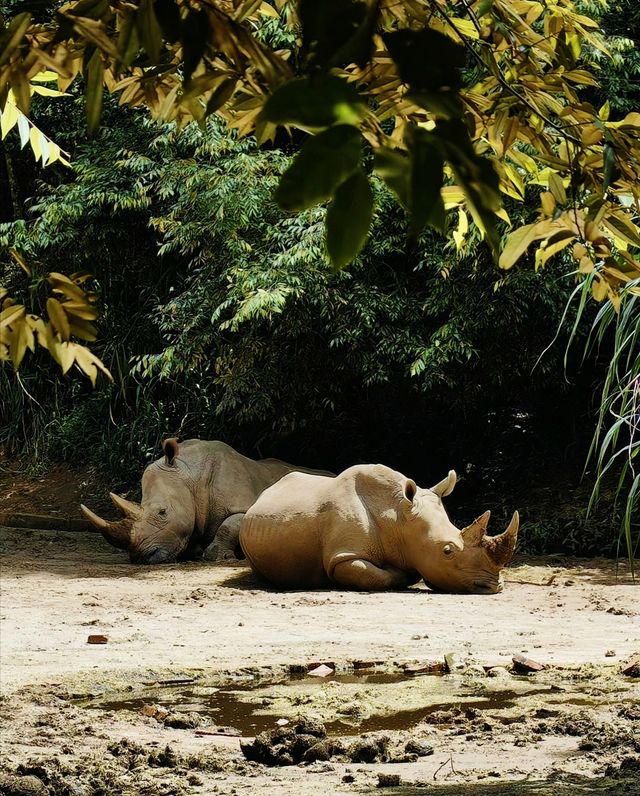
213 623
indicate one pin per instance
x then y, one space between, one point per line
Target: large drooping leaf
349 219
323 163
315 102
337 32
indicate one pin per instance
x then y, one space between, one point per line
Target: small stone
610 654
348 778
523 664
321 671
96 638
498 671
632 667
388 780
420 748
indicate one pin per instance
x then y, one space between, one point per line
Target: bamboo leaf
349 219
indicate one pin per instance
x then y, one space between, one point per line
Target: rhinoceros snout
153 555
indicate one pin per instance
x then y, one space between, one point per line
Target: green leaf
609 156
395 169
13 34
168 16
91 9
128 42
337 32
426 59
221 94
427 174
349 219
325 161
93 76
149 29
317 102
195 34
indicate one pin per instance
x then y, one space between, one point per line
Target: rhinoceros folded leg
225 541
362 575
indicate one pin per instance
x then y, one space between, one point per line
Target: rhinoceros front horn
500 548
117 533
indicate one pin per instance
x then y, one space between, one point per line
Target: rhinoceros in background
370 528
195 495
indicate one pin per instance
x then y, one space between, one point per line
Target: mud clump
12 785
369 750
285 746
306 741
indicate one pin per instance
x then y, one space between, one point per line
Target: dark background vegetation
221 319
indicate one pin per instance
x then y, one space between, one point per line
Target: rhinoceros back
280 534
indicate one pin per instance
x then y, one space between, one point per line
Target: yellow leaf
66 355
579 251
23 338
557 188
8 118
548 202
11 314
34 138
58 318
21 261
89 363
599 288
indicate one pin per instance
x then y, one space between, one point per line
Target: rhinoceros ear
170 448
410 489
445 487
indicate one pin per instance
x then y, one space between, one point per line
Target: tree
454 104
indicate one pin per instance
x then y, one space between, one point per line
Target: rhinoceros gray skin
194 496
370 528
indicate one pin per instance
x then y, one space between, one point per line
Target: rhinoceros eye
447 550
162 512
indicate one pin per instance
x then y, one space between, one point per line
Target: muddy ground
84 719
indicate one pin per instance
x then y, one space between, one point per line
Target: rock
450 663
424 668
632 667
348 778
420 748
388 780
11 785
522 664
182 721
97 638
321 671
610 654
498 671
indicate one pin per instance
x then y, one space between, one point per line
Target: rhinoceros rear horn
445 487
501 548
117 534
127 507
474 534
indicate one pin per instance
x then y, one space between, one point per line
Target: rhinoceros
192 499
370 528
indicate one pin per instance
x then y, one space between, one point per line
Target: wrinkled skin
192 499
370 528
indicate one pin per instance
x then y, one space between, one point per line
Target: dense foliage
222 316
418 357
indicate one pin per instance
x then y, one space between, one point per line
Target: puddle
252 708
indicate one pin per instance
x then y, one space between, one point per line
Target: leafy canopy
456 103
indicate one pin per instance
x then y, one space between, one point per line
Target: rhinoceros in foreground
197 493
370 528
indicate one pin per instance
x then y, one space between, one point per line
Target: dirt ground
199 658
216 627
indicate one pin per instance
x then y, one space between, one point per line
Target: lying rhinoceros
197 493
370 528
